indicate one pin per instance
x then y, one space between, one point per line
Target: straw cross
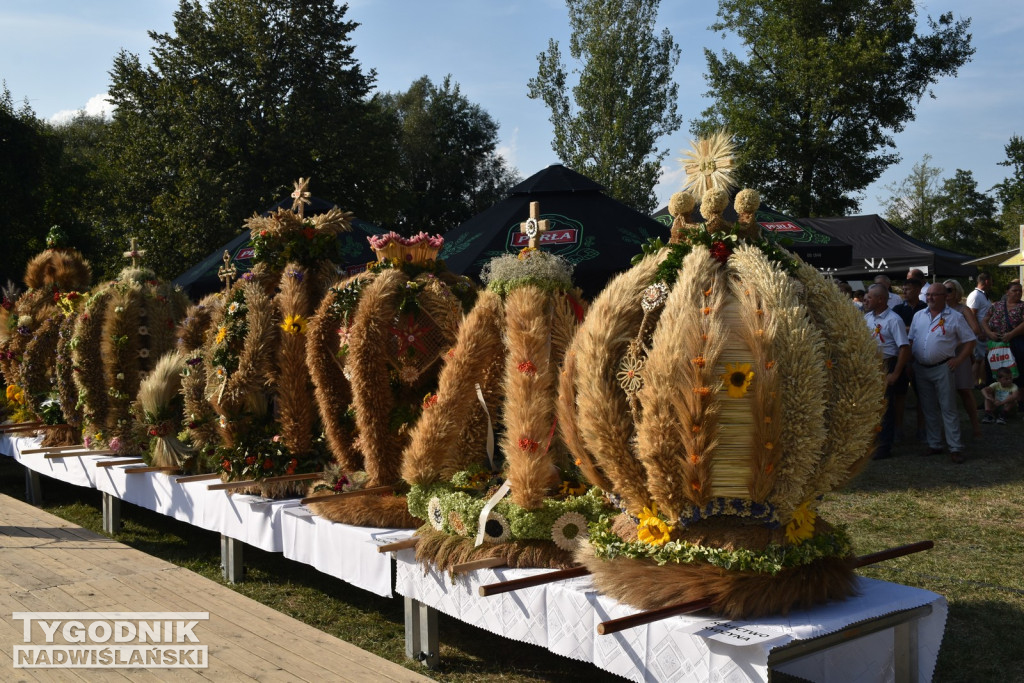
227 273
300 196
533 227
134 252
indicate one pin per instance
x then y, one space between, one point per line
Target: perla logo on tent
563 234
871 265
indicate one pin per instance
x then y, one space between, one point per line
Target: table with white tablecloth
562 617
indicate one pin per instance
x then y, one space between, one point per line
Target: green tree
29 157
243 99
1010 192
625 98
449 169
913 203
821 91
968 222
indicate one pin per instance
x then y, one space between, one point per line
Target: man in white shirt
935 334
889 333
979 302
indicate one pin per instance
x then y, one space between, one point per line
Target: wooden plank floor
50 565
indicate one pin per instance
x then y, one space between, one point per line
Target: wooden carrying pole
196 477
18 426
328 497
231 485
55 449
531 581
399 545
75 454
115 463
641 618
484 563
153 468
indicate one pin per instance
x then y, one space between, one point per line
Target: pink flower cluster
381 241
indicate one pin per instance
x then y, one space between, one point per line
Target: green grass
974 512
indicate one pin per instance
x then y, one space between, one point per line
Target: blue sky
57 55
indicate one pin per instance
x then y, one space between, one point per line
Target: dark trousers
883 446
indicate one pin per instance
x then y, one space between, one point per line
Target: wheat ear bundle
371 395
529 396
331 388
296 412
88 365
676 432
856 384
797 344
604 420
158 393
437 446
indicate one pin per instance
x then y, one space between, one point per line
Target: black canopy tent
816 248
596 233
353 252
879 248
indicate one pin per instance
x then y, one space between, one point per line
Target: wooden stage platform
50 565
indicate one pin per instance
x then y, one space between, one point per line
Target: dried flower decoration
737 378
654 296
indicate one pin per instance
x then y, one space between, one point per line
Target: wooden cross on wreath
533 227
300 197
227 273
134 252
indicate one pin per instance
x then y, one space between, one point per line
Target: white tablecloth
345 552
563 618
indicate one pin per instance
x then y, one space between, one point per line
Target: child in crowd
1001 395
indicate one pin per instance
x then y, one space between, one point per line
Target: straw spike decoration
529 396
256 360
368 349
156 394
604 421
680 391
296 412
856 383
797 344
757 329
65 380
568 426
438 447
199 415
120 354
332 391
88 364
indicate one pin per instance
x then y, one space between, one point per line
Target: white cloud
509 150
98 105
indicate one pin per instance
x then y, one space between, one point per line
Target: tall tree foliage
913 203
449 167
821 91
968 224
625 98
242 99
30 178
1010 192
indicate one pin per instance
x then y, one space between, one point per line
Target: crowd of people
936 342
